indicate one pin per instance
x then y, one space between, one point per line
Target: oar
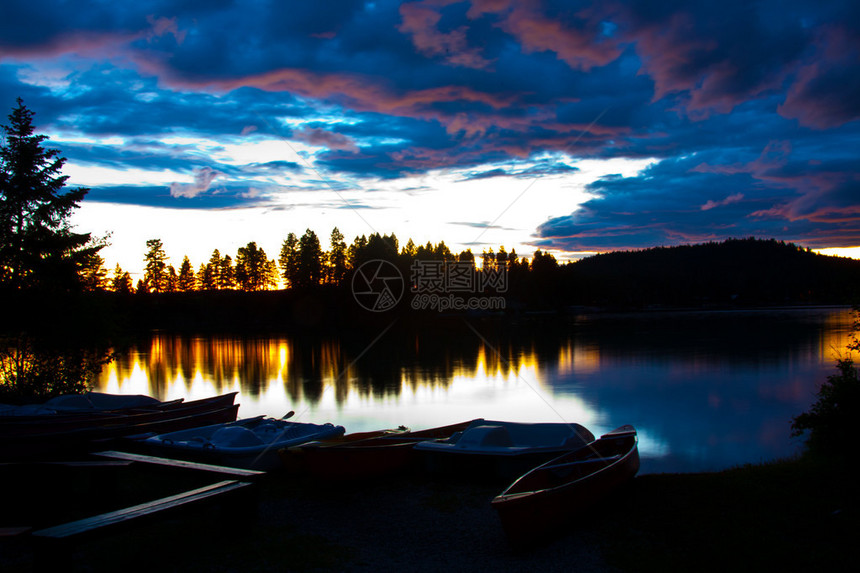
288 415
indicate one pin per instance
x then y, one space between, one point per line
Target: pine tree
186 282
310 260
251 267
226 274
337 257
37 246
288 260
206 278
155 274
121 281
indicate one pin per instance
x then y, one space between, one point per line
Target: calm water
705 390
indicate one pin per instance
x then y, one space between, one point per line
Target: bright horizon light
439 206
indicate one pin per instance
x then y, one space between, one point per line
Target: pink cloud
420 20
580 49
203 179
684 54
162 26
95 44
736 198
825 89
329 139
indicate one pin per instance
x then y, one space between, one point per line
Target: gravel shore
409 525
403 524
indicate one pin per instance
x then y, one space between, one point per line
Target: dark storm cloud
749 109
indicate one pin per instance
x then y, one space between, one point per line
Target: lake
706 390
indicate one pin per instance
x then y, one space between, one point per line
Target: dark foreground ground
787 516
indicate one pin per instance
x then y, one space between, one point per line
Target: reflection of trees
306 366
410 359
33 370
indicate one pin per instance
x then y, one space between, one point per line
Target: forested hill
737 271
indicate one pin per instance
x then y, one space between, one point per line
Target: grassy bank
796 515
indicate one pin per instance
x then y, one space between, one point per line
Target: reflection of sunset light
577 358
596 382
565 359
110 379
586 358
283 354
199 387
273 401
137 382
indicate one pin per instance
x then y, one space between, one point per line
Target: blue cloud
750 110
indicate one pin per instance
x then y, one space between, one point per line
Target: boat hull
550 496
358 459
54 440
493 452
252 443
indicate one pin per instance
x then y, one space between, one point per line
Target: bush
34 373
832 420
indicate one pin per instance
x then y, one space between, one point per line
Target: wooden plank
183 464
91 524
14 531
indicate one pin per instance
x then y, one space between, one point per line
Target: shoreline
763 517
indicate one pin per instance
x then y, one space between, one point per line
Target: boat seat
235 437
485 436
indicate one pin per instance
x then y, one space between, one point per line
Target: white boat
251 443
493 450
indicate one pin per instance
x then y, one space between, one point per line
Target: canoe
495 451
549 496
251 443
57 423
86 403
53 442
362 458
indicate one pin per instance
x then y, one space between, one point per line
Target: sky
566 126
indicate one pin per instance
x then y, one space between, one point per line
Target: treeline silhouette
301 263
740 272
736 273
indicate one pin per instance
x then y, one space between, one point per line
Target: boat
61 422
251 443
88 402
493 451
358 457
549 496
50 436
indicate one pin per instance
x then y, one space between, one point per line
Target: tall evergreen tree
310 260
337 257
288 259
37 246
93 275
226 274
186 282
252 267
272 275
172 284
206 278
121 281
155 273
355 254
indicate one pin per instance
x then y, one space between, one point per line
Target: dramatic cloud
748 114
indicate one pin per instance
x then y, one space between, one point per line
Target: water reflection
706 390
